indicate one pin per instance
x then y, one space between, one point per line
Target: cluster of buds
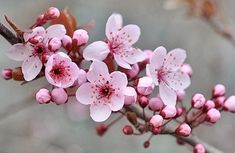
51 14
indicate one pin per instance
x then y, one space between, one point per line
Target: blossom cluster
120 76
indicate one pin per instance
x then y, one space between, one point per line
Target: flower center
57 71
105 91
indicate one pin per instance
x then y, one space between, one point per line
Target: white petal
118 80
167 94
100 113
38 31
158 57
121 62
129 34
31 68
177 80
56 30
117 102
84 94
113 24
19 52
98 72
98 50
175 59
150 72
134 55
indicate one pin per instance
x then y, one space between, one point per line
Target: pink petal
56 30
167 94
134 55
117 103
98 50
129 34
100 113
175 59
118 80
150 72
158 57
113 24
31 68
38 31
121 62
84 94
19 52
98 72
177 80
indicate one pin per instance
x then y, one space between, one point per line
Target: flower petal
31 68
98 50
113 24
121 62
167 94
100 113
129 34
84 94
177 80
117 102
56 30
19 52
38 31
98 72
134 55
118 80
150 72
174 59
158 57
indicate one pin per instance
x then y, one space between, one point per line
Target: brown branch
191 140
8 35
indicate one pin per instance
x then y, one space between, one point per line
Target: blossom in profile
60 71
119 44
37 48
165 70
104 92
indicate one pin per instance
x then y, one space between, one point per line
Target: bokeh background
26 127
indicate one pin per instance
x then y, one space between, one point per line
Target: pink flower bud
81 77
67 42
143 101
127 130
156 104
148 55
186 68
54 44
41 20
43 96
218 90
179 112
101 129
183 130
199 148
145 86
180 95
219 101
168 112
213 115
209 104
80 37
133 72
229 104
59 96
52 13
146 144
130 96
156 130
7 74
36 39
198 101
156 121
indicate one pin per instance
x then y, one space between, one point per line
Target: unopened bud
101 129
156 121
168 112
43 96
183 130
199 148
180 95
145 86
52 13
127 130
80 37
67 42
198 101
213 115
209 104
143 101
229 104
187 69
156 104
7 74
219 101
218 90
133 72
130 96
54 44
59 96
146 144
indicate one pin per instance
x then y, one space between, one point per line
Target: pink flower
60 71
104 92
35 51
165 71
119 44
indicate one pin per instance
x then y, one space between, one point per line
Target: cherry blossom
60 71
119 44
104 92
165 70
34 52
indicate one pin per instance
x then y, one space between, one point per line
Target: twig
8 35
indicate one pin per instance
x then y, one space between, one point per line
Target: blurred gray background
26 127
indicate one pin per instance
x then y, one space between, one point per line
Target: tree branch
8 35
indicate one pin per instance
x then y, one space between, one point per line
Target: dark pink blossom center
60 71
